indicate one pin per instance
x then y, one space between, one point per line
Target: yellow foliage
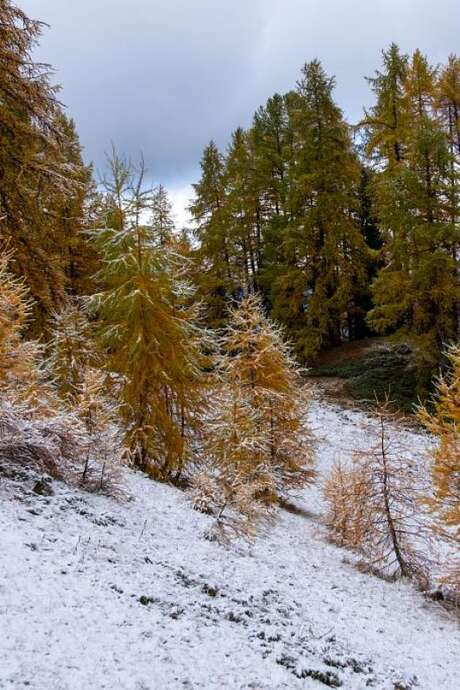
257 361
444 423
72 349
346 492
149 329
257 443
22 376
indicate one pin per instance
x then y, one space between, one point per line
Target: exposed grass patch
375 370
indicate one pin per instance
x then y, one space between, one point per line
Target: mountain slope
96 593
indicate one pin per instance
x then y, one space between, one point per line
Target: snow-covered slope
96 593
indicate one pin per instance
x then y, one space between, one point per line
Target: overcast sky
164 77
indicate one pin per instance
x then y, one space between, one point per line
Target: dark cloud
165 77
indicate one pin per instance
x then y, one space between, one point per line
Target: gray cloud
164 77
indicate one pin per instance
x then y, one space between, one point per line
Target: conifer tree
325 257
235 474
72 349
162 222
444 422
244 210
216 278
347 496
149 329
386 123
99 415
447 104
70 214
257 360
14 312
374 504
23 377
416 293
257 439
272 140
448 99
42 183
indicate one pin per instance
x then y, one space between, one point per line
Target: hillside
365 370
98 593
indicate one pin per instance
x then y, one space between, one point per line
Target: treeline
123 341
345 231
104 356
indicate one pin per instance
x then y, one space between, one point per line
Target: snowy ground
97 594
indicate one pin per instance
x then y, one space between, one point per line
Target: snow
97 593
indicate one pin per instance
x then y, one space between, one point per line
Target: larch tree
271 134
257 440
281 215
243 218
374 504
40 181
98 412
72 349
23 376
448 99
271 139
71 213
443 420
447 105
416 292
149 328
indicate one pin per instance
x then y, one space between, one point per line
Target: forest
127 343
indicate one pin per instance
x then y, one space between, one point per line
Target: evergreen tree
324 254
215 256
161 221
243 218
